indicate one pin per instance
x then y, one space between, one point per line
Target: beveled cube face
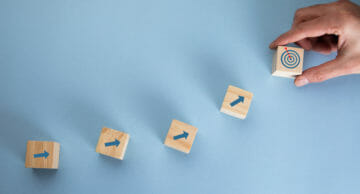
288 61
42 154
181 136
236 102
112 143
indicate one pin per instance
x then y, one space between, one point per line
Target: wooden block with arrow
180 136
288 62
112 143
236 102
42 154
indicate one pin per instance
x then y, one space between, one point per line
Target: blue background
68 68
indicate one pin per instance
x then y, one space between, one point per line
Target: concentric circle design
290 59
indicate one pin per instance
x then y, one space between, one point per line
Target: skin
326 28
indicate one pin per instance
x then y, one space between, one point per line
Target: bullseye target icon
290 59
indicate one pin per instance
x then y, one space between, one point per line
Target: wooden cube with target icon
112 143
288 62
181 136
236 102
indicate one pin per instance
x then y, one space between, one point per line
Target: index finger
309 13
313 28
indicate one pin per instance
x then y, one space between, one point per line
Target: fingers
308 13
313 28
325 44
332 40
322 46
328 70
305 44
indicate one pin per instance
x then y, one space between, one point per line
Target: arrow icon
237 101
288 53
184 135
113 143
45 155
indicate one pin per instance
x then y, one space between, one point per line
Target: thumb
325 71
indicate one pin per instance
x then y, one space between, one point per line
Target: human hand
326 28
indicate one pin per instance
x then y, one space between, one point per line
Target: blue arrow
45 154
113 143
237 101
184 135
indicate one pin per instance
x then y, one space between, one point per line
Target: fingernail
272 45
301 81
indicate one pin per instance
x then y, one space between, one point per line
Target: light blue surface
68 68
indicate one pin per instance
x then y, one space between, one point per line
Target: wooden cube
112 143
288 62
42 154
180 136
236 102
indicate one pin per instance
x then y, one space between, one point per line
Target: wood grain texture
110 135
281 71
182 144
241 109
36 147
